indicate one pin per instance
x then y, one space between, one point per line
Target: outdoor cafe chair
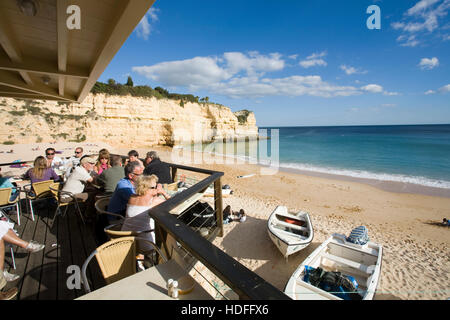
114 230
5 196
58 193
37 191
116 259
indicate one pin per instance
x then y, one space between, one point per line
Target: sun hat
87 160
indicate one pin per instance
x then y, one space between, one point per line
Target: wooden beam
9 79
28 96
7 41
33 65
63 41
126 23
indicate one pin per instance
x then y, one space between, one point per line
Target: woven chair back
101 204
115 232
117 258
5 194
42 189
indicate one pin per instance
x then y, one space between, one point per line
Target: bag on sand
359 235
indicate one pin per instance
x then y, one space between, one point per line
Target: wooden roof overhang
41 58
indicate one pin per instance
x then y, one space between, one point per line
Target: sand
416 261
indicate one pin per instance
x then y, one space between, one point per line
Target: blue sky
306 63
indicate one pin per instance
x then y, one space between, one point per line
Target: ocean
413 154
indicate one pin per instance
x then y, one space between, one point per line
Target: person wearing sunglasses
125 188
53 161
74 161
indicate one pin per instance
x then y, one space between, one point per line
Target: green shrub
9 142
17 113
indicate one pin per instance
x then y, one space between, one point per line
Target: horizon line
356 125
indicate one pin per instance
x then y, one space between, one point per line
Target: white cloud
198 71
317 55
351 70
389 105
373 88
421 6
144 27
408 41
428 64
314 59
254 62
293 56
430 92
387 93
445 88
312 63
243 75
424 17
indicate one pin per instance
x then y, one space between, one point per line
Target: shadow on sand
250 241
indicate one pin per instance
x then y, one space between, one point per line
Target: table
150 284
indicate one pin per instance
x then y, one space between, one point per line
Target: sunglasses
50 154
77 152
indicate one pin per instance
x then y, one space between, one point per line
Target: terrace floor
68 242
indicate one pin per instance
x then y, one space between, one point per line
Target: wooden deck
68 242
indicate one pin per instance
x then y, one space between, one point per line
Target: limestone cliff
121 121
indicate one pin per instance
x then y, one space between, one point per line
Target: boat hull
336 254
291 237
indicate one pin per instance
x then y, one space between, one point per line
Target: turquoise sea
417 154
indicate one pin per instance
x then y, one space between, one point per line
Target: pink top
102 168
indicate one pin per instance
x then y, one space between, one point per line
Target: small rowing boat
360 264
290 232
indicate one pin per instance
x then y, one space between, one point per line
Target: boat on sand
290 232
360 263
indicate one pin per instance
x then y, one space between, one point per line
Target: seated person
102 162
133 155
53 161
74 161
108 179
158 168
125 188
146 197
7 234
77 182
6 183
40 171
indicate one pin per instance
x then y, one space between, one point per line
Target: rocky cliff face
121 121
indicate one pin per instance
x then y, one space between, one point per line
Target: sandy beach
416 261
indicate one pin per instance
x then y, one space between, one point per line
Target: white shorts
4 227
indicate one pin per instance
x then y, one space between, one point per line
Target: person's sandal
9 276
34 246
9 294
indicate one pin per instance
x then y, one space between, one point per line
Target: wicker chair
116 259
114 230
38 191
57 193
5 196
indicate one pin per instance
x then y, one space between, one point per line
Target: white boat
290 232
362 262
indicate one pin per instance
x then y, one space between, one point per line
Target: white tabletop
150 284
